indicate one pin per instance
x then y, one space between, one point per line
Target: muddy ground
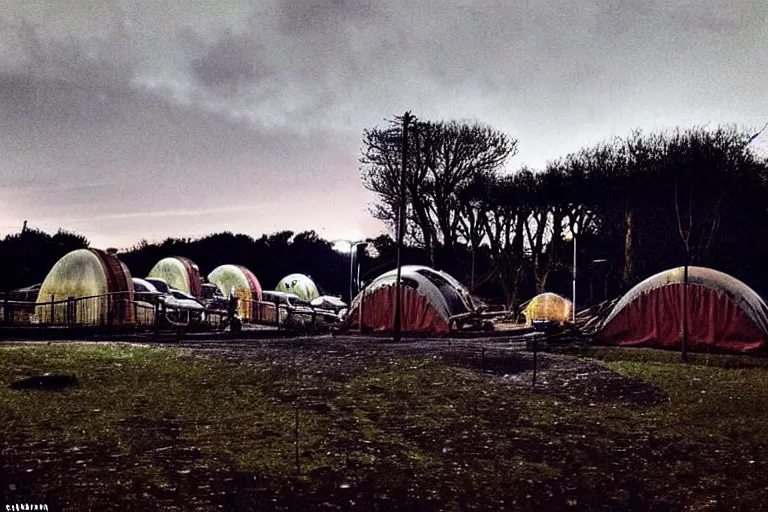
567 464
564 376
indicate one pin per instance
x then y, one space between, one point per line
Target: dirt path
566 377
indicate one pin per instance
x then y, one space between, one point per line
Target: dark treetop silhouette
641 204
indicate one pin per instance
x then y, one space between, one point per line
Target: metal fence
120 309
98 310
286 316
111 309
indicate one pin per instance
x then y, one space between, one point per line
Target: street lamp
571 236
347 247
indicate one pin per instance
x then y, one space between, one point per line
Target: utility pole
684 341
397 323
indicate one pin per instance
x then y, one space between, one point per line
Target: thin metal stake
684 343
296 437
535 352
297 401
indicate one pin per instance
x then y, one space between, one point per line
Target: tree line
27 257
637 205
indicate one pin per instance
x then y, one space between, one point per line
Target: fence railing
286 316
121 309
97 310
111 309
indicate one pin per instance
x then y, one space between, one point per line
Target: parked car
160 284
213 298
144 291
546 326
182 307
329 302
179 307
28 294
145 299
183 301
290 299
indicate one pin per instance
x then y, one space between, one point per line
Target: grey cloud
161 97
230 62
300 16
721 18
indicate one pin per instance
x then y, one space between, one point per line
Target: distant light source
343 246
599 261
348 247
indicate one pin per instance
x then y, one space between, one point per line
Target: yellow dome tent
548 306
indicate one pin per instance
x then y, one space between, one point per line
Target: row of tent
93 274
232 280
431 299
710 308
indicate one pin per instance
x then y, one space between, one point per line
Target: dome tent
548 306
429 299
180 273
237 280
299 284
721 312
99 278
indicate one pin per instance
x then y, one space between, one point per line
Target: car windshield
160 285
212 292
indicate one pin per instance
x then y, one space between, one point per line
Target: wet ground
492 456
564 376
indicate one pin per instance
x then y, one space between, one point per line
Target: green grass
153 427
719 402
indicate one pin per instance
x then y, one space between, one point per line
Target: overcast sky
131 119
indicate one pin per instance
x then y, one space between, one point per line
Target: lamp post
574 278
347 247
571 237
408 124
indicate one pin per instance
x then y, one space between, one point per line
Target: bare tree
444 158
506 207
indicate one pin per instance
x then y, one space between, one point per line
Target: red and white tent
721 312
429 299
